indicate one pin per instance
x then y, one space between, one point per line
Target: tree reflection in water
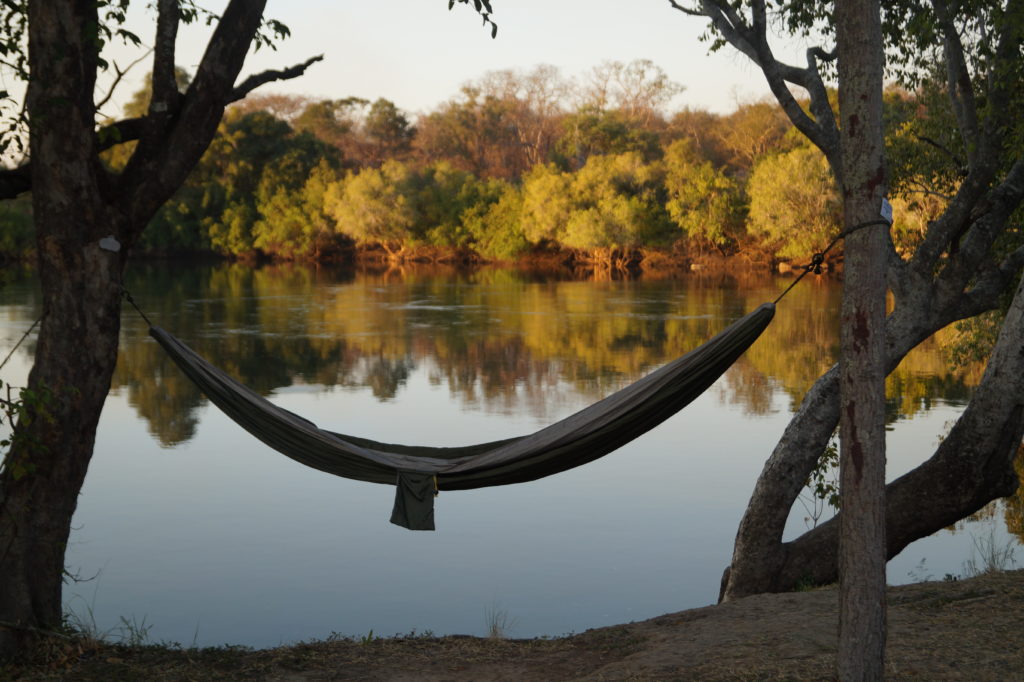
500 340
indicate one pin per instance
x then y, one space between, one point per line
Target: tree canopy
729 183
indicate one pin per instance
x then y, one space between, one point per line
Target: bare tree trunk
75 357
862 370
77 346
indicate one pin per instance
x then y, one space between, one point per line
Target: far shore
658 262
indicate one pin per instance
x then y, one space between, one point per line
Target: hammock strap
131 301
20 341
819 258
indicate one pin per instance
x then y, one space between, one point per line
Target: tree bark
861 652
77 345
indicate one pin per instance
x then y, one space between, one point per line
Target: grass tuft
498 621
990 556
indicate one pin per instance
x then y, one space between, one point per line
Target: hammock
418 472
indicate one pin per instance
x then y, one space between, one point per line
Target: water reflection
500 341
230 540
1011 509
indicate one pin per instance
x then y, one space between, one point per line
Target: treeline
516 164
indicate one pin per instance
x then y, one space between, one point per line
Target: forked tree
87 220
970 257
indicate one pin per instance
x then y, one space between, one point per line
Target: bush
794 206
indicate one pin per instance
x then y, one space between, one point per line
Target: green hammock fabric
418 471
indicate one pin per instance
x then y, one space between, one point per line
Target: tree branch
685 10
16 181
126 130
269 76
896 273
1012 264
953 157
160 164
759 553
977 242
818 52
165 96
211 85
961 92
983 157
925 190
752 41
991 282
953 222
973 220
729 23
1002 90
117 80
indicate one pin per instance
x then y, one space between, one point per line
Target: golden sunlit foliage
794 205
523 162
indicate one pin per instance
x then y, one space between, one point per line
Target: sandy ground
962 630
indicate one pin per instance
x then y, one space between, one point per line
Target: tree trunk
954 274
76 204
77 346
75 357
971 466
862 370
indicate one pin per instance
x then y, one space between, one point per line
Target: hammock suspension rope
819 258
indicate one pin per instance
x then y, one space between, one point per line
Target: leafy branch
18 409
823 485
483 8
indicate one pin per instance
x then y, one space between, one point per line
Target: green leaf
128 36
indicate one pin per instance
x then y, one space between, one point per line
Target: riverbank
964 629
547 260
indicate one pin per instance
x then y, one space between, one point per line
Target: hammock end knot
816 261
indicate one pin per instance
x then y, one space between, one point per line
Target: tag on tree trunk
886 210
110 244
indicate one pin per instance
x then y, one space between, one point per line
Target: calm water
188 524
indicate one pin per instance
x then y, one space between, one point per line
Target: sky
418 54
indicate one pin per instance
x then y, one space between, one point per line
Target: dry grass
968 629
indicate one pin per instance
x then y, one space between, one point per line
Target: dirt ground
962 630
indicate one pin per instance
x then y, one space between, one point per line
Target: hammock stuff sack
418 472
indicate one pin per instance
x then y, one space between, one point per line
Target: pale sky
418 54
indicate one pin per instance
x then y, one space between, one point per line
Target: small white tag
886 210
110 244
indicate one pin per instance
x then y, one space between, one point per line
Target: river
197 533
